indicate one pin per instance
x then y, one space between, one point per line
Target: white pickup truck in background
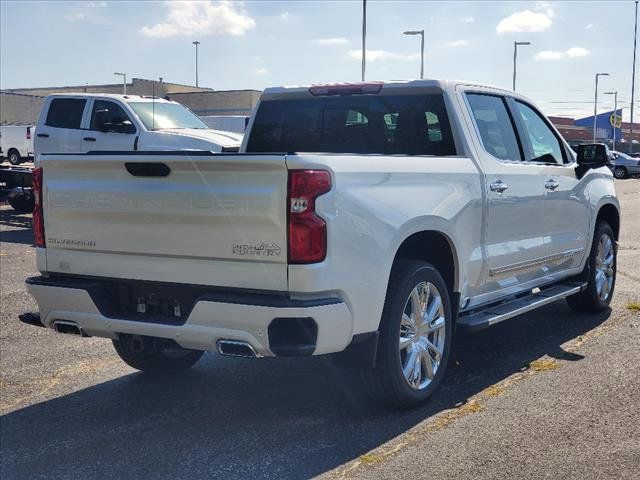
370 219
83 122
16 143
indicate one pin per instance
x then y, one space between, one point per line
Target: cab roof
372 87
123 98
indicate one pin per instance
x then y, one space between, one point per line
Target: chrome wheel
605 258
422 335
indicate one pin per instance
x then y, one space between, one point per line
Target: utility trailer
16 187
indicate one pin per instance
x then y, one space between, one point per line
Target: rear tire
415 337
600 272
620 172
14 157
155 355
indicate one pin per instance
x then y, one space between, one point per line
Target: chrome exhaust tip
236 348
68 328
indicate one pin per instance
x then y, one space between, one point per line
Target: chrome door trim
555 258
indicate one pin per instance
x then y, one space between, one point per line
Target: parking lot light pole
515 57
595 105
124 81
421 33
196 43
615 114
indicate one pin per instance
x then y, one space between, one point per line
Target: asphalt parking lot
551 394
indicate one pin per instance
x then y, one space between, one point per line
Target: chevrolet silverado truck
372 219
84 122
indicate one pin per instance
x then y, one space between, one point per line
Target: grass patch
370 458
633 306
494 391
544 365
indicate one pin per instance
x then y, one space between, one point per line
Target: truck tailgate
182 217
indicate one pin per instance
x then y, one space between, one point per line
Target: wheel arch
436 248
610 214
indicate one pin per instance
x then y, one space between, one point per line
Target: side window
495 126
65 113
543 145
108 116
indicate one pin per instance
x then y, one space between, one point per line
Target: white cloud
331 41
457 43
573 52
72 17
187 18
525 21
467 19
285 15
546 7
549 55
261 71
381 55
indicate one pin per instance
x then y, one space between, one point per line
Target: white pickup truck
83 122
371 219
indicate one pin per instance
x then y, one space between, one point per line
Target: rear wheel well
609 214
434 248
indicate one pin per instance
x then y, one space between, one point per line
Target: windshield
157 115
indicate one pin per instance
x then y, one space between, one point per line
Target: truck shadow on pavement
15 227
239 418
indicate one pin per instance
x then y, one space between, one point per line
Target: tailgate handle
140 169
42 135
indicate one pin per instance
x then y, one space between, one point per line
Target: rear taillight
28 133
307 231
38 217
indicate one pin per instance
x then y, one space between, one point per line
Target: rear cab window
65 113
409 124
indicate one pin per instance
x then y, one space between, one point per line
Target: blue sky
255 44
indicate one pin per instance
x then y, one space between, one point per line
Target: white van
80 123
16 143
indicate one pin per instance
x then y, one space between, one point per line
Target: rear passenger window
65 113
377 124
495 126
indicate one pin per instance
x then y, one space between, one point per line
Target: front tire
620 172
600 272
415 336
155 355
14 157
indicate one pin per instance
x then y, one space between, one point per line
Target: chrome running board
487 316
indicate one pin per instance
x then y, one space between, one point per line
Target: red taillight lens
307 231
28 133
38 217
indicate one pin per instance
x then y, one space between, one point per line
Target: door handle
42 135
89 139
498 186
551 185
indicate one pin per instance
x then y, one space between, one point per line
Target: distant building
21 106
580 131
